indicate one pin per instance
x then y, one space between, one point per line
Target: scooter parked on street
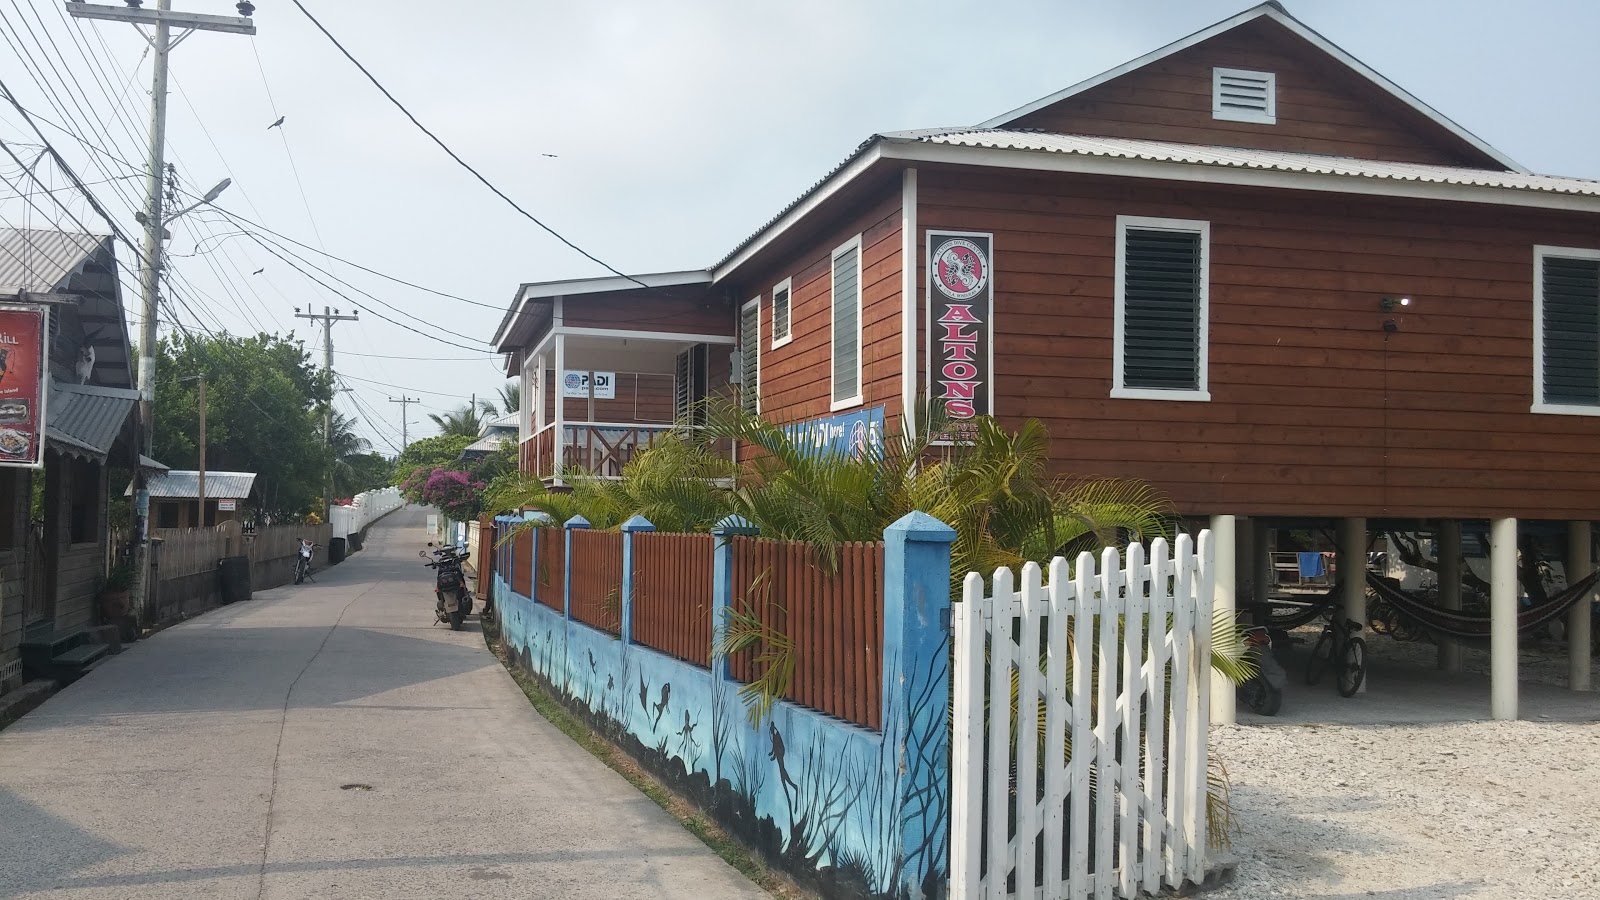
450 585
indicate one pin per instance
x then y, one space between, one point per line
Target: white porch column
1503 596
541 412
1353 576
1448 541
1580 562
559 438
1225 570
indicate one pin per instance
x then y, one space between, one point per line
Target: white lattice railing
1098 783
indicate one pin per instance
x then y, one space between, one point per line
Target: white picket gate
1118 661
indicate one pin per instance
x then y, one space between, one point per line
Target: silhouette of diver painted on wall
592 667
665 704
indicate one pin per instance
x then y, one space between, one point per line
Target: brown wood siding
797 378
680 310
1322 107
640 399
1314 410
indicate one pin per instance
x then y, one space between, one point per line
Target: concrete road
325 741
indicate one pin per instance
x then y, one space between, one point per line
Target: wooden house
175 494
53 564
1245 267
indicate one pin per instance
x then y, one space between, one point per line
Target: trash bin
335 551
355 542
235 574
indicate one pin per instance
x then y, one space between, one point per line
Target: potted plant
114 603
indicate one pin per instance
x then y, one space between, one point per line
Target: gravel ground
1483 810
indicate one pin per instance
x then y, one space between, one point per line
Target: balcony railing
600 448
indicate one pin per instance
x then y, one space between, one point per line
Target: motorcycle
449 585
302 561
1264 692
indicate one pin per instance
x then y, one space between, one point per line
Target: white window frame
1119 388
1218 111
1540 253
861 291
756 302
787 287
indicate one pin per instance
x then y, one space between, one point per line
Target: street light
209 197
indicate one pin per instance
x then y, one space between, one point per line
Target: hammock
1317 605
1456 624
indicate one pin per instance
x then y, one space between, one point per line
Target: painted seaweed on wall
849 811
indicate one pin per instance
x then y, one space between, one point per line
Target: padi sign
961 323
852 433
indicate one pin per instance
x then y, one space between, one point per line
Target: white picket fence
1118 661
368 507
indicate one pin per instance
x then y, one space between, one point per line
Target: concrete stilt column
1580 562
1503 595
1223 538
1261 539
1353 575
1449 544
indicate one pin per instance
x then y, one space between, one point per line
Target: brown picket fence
834 621
672 594
597 578
550 588
521 562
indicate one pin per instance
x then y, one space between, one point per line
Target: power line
283 134
459 161
400 387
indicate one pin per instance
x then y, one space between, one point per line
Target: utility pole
327 317
404 402
202 479
162 19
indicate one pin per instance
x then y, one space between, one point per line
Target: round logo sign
574 380
960 269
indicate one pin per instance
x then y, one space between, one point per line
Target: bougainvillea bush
455 493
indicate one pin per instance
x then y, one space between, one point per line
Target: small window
780 313
1162 288
847 324
166 515
750 357
1238 95
1566 331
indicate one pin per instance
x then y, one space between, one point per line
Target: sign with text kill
22 384
961 323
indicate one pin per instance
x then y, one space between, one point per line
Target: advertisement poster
576 385
851 432
22 384
961 323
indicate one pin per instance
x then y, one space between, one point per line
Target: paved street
210 761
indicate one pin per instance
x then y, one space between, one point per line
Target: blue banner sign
851 432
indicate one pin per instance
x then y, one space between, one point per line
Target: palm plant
464 422
510 401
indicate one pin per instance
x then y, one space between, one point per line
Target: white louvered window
1566 330
847 324
750 357
780 313
1239 95
1162 307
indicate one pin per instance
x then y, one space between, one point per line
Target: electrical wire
453 155
284 136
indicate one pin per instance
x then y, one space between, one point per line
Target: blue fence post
722 584
916 693
629 529
540 520
573 523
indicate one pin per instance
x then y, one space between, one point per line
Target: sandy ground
1405 793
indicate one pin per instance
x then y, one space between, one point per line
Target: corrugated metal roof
87 417
484 445
37 260
184 484
1239 157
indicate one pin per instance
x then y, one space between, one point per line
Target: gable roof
41 261
1274 11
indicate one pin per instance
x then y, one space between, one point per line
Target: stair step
80 656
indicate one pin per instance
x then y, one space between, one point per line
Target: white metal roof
1274 11
1244 158
40 260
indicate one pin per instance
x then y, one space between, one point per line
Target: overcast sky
676 129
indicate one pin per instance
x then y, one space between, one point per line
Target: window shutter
749 356
1571 330
846 319
1161 324
680 387
780 314
699 370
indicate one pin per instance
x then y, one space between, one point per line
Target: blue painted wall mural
850 432
852 812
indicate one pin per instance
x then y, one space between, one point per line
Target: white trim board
1276 13
908 302
1540 405
544 290
1202 390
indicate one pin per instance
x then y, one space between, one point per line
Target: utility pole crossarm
405 404
197 21
327 317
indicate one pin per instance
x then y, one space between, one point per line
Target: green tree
263 401
362 472
463 422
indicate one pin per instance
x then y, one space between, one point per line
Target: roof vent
1239 95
